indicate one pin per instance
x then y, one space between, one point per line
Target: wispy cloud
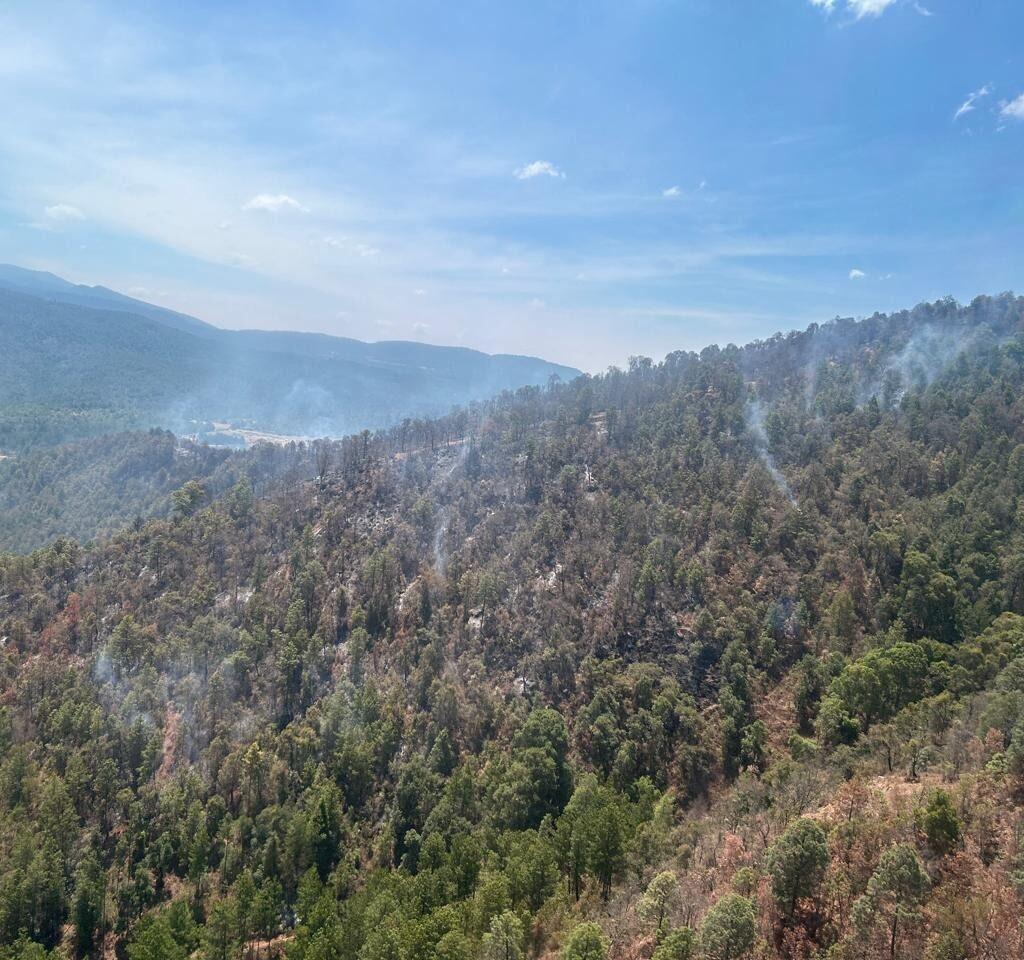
357 247
865 8
1013 109
672 192
62 212
539 168
274 203
868 8
972 98
856 274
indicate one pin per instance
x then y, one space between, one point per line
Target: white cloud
672 192
63 212
856 274
972 98
868 8
539 168
1013 108
865 8
358 247
274 203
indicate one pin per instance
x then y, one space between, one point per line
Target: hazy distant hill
76 361
48 286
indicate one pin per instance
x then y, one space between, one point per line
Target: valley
79 361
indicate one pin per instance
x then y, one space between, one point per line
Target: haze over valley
77 361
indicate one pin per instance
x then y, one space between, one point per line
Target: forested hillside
720 657
97 486
82 361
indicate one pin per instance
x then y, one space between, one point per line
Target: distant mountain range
78 360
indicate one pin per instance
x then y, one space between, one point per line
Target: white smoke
929 353
754 414
440 534
441 554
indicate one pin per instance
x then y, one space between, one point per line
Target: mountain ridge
178 376
84 488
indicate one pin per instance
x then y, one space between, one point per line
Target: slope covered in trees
95 487
80 361
719 657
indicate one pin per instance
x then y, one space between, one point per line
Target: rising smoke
441 492
754 414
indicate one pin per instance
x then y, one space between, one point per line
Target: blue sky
582 181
